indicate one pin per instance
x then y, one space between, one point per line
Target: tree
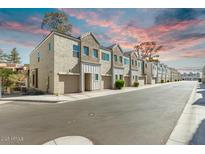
16 79
4 75
3 56
148 50
14 57
56 21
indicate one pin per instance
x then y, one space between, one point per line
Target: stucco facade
63 64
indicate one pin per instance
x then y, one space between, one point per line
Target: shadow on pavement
199 136
200 90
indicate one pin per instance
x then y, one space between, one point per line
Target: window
96 77
49 46
126 61
135 77
105 56
121 77
115 57
38 57
116 77
120 59
95 53
132 62
76 50
33 79
135 63
86 50
139 64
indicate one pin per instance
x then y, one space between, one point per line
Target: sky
181 32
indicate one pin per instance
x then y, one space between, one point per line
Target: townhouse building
191 76
203 75
151 72
159 72
134 69
63 64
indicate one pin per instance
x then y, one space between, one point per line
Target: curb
28 100
65 101
172 141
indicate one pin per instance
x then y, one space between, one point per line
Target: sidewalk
77 96
190 128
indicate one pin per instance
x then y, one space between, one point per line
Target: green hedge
162 81
136 84
119 84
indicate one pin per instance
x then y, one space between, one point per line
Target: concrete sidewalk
78 96
190 128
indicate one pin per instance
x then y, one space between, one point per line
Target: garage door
71 83
127 81
153 80
141 81
106 82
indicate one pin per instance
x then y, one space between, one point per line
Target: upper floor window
115 57
120 59
126 61
49 46
139 64
38 56
85 50
95 53
76 50
105 56
135 63
132 62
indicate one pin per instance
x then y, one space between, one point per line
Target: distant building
17 68
191 76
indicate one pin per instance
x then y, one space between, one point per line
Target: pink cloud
10 25
159 33
200 53
17 42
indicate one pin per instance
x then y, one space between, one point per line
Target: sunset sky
180 31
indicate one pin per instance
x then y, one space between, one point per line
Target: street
147 116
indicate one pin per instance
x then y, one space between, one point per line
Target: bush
119 84
162 81
32 91
136 84
167 80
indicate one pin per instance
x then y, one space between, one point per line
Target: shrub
162 81
136 84
167 80
32 91
119 84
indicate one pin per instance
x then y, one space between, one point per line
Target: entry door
87 81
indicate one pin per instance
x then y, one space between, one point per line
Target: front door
87 81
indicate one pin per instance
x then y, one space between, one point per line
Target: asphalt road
140 117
